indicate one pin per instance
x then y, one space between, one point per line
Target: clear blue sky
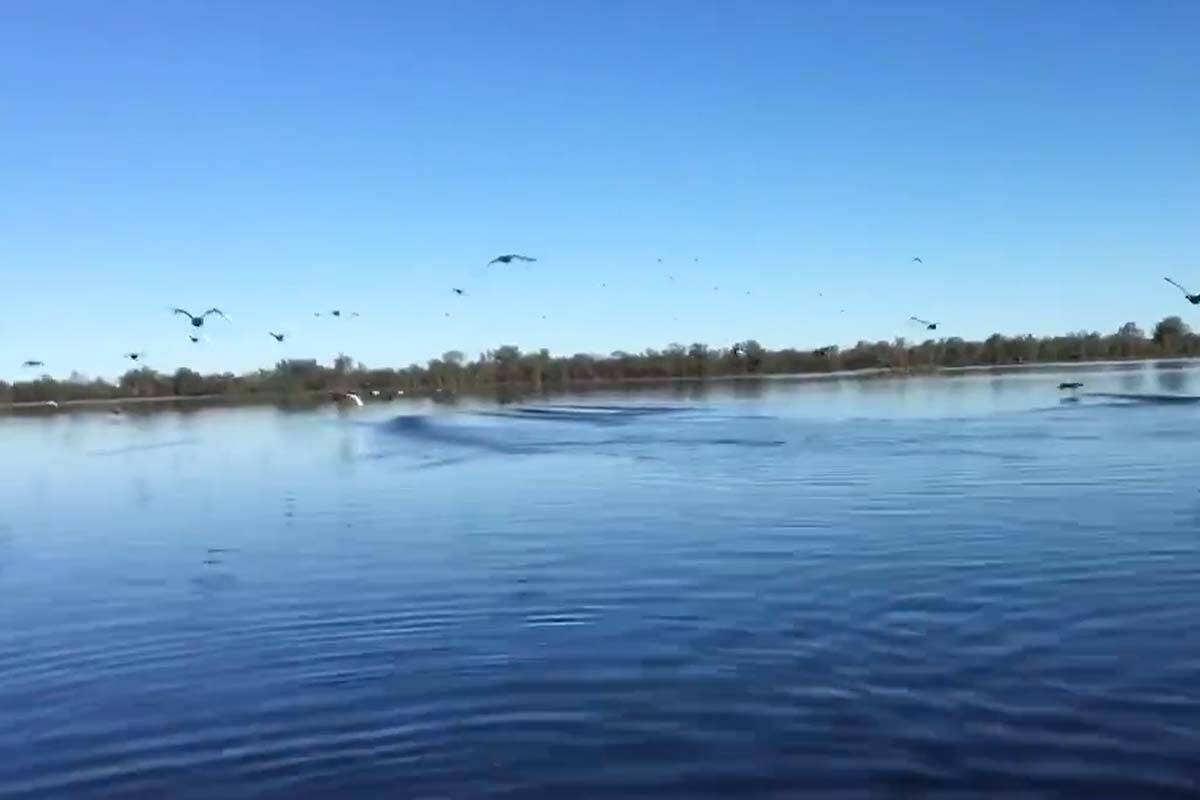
277 158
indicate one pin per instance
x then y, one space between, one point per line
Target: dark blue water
849 588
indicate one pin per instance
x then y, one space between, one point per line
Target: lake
876 587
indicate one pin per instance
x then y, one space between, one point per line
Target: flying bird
459 292
1194 299
134 356
194 339
929 326
508 258
279 337
918 260
336 312
198 322
33 363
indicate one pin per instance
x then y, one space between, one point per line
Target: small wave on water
533 430
141 448
1147 398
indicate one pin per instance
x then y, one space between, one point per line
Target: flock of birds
197 321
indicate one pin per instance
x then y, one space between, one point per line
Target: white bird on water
353 398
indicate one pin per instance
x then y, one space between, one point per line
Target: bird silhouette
1070 385
134 356
194 339
918 260
33 363
279 337
1194 299
508 258
336 312
459 292
198 321
929 326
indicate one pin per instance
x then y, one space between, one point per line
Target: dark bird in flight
1194 299
32 363
279 337
918 260
459 292
336 312
1070 385
198 322
660 261
134 356
929 326
194 339
508 258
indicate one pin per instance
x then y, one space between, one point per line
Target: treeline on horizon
508 366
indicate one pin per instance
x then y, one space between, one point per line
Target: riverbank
517 389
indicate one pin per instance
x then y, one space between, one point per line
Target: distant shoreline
318 397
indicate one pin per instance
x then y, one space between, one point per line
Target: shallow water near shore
974 583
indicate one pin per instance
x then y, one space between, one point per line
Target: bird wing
525 258
216 311
921 321
1176 285
181 311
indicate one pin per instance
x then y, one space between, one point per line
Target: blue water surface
965 584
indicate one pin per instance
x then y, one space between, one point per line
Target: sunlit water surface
865 587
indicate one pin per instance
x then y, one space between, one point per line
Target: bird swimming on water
929 326
1070 385
1194 299
508 258
198 321
279 337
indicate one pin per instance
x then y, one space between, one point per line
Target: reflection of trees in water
1132 380
1172 377
750 388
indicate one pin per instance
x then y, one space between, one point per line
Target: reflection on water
768 587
